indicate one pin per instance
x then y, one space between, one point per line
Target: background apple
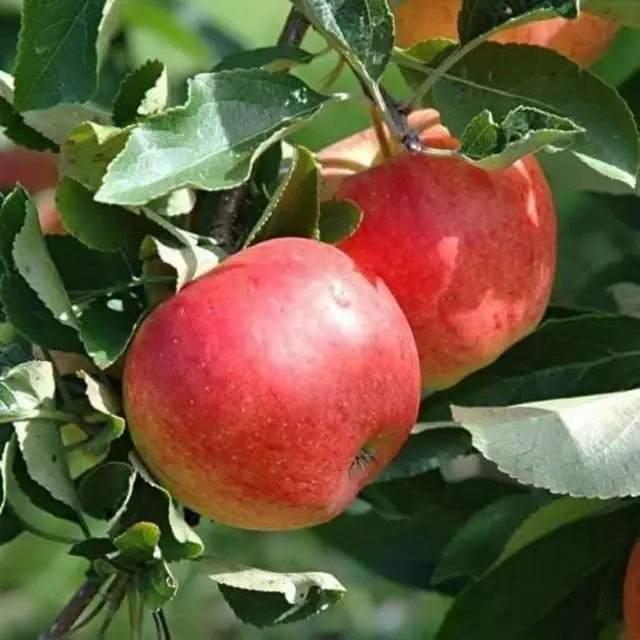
37 172
469 254
266 393
34 170
582 40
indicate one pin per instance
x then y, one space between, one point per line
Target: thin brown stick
79 602
232 200
294 30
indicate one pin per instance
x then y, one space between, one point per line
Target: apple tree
393 341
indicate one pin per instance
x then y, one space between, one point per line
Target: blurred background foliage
384 558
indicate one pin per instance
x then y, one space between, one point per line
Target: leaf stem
80 600
381 134
117 288
440 71
38 414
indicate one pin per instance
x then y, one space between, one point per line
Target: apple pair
269 391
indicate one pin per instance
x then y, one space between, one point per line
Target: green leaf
93 549
522 132
579 355
413 520
578 446
104 401
566 620
32 385
339 219
294 209
10 526
106 490
57 57
28 314
138 543
478 543
213 140
81 447
89 274
142 93
25 388
265 598
102 227
622 10
58 122
12 213
426 450
89 149
151 503
12 122
107 325
480 17
559 513
32 260
191 260
503 606
157 584
490 78
275 58
429 496
361 30
36 493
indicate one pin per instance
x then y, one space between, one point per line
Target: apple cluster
269 391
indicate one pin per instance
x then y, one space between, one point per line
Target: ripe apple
267 392
469 254
582 40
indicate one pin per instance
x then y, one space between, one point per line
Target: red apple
582 40
34 170
468 253
267 392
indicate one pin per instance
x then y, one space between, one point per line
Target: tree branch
294 30
232 200
80 600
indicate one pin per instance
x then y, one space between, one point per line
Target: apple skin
251 393
469 254
583 40
631 595
34 170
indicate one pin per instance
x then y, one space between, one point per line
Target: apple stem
381 133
